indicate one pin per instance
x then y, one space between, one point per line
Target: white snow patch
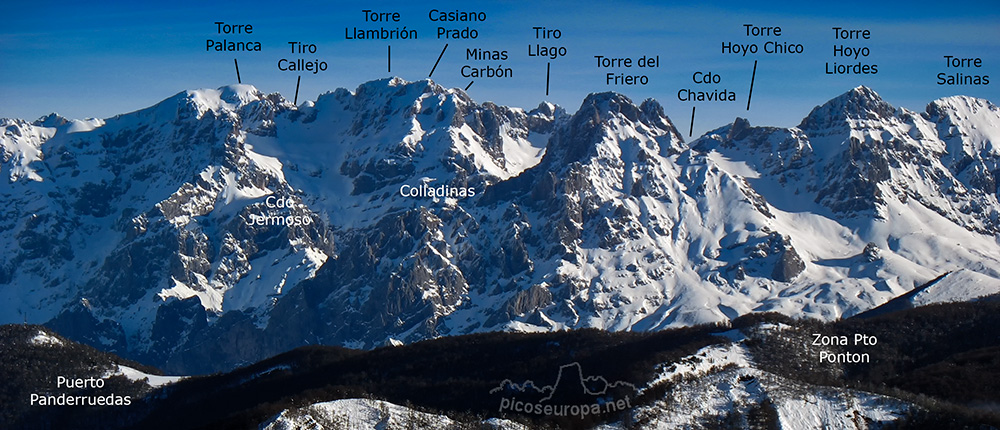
733 167
210 299
704 361
959 286
267 163
154 381
265 372
80 126
208 100
45 339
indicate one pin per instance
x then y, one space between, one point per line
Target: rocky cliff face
222 226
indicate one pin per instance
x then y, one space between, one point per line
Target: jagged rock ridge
153 233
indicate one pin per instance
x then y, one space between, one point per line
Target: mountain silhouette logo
571 386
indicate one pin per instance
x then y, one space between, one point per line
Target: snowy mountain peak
548 109
652 111
226 99
51 120
240 94
860 104
603 106
971 125
615 116
961 103
230 97
396 87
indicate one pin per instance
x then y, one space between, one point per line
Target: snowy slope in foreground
365 414
721 382
717 384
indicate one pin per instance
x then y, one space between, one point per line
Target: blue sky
84 60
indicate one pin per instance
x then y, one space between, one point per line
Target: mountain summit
859 104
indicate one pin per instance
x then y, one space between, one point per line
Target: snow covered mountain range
222 226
